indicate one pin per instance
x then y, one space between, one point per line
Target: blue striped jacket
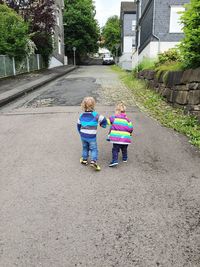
88 123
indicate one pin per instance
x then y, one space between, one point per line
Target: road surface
55 212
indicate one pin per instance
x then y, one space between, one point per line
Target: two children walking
119 134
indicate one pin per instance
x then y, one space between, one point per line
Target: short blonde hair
120 108
88 103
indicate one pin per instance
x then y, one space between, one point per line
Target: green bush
44 45
190 45
13 33
171 55
145 64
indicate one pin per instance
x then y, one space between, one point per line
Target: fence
10 67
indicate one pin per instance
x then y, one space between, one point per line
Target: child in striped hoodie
121 129
87 128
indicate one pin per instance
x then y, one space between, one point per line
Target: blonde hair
88 103
120 108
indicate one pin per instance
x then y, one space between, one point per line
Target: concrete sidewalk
14 87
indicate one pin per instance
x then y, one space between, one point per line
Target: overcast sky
106 9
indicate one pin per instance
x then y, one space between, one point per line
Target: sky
106 9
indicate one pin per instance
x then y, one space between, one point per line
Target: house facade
128 33
158 27
58 56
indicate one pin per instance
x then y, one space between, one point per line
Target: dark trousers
116 149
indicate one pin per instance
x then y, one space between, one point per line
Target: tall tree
41 27
81 27
13 33
41 19
111 33
190 45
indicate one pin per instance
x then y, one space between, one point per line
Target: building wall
153 48
151 51
144 4
128 18
162 20
128 44
154 23
146 26
128 32
58 33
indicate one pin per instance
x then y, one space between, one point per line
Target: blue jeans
92 147
116 149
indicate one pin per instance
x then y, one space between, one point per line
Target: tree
111 33
190 45
41 27
41 19
17 5
13 33
81 28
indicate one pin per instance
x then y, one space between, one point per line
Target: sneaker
94 165
112 164
125 160
83 161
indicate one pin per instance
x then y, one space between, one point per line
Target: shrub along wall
180 88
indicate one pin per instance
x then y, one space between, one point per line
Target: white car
108 60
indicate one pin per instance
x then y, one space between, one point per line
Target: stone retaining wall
180 88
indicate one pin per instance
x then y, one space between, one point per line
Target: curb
16 95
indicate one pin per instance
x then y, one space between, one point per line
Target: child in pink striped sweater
121 129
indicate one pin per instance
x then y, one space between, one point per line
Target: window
175 24
133 25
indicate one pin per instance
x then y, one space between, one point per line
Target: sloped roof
128 6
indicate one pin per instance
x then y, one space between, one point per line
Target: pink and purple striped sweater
120 129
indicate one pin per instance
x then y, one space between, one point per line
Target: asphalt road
55 212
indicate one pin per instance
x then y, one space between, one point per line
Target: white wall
128 42
151 51
164 46
54 63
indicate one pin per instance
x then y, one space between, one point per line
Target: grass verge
152 103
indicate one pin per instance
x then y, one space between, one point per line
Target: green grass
145 64
152 103
172 66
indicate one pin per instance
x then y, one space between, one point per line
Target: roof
128 7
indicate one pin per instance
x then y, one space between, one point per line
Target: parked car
108 60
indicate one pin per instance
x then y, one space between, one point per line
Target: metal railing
11 67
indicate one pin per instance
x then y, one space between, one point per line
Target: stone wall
180 88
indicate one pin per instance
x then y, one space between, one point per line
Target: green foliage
13 33
40 19
145 64
152 103
81 27
111 34
44 45
171 55
173 66
164 69
190 45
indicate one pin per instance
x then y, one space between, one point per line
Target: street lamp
74 49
